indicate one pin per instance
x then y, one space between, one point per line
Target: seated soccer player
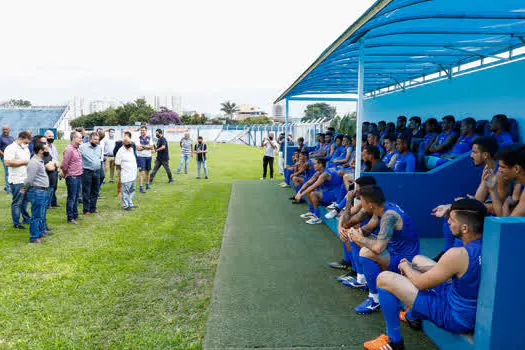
323 149
381 128
390 129
424 286
444 142
498 127
344 155
405 161
401 126
321 189
290 169
463 144
511 168
301 147
349 219
373 139
391 152
348 166
416 131
337 151
302 174
396 240
372 160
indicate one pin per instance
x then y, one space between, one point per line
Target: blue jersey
463 293
405 163
388 157
333 184
428 138
441 139
404 242
463 145
325 148
504 139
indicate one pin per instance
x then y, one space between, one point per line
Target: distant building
173 102
247 110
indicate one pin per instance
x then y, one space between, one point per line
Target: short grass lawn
140 279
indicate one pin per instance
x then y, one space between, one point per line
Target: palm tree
229 108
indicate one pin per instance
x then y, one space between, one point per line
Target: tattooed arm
389 221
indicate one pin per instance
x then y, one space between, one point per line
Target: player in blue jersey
391 153
424 285
444 142
499 129
463 144
373 140
322 188
405 161
339 152
304 172
397 239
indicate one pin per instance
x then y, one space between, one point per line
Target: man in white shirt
16 158
270 146
127 168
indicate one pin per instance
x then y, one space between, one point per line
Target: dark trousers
267 161
90 187
73 194
53 202
158 164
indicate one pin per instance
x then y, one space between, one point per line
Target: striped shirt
186 145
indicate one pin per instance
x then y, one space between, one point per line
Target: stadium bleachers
31 118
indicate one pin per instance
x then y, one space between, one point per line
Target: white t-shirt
128 164
270 151
14 151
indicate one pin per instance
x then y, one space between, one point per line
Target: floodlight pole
285 134
360 108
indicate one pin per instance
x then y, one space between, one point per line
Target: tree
257 120
128 114
165 117
229 108
347 125
16 103
318 110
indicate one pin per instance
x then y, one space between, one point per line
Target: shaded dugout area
273 288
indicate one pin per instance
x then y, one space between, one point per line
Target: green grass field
140 279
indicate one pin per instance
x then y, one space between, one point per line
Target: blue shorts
433 305
144 163
328 197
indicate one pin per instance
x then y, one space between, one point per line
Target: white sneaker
307 215
332 206
262 178
314 221
331 214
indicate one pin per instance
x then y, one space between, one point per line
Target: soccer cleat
314 221
367 307
171 181
142 191
292 198
414 324
340 265
352 283
282 184
347 276
383 342
332 206
331 214
307 215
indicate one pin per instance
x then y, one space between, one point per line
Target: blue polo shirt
405 163
5 141
504 139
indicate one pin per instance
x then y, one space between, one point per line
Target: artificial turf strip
273 288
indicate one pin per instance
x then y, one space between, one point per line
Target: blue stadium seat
31 118
482 127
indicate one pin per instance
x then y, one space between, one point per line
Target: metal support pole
286 133
360 108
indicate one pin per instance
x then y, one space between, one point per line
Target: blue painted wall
480 95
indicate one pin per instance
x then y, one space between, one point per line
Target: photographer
270 146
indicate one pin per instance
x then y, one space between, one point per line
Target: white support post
285 153
360 109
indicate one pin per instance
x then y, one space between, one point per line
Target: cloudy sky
207 51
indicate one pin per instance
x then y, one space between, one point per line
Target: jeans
203 162
7 188
102 173
90 187
267 161
128 191
19 205
73 194
39 200
158 163
53 201
50 192
184 159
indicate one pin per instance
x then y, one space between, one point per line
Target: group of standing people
33 169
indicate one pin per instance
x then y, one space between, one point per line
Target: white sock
374 296
361 278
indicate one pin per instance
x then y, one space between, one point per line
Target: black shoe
171 181
111 181
134 206
206 177
56 206
292 198
341 265
298 202
127 209
20 227
198 178
414 324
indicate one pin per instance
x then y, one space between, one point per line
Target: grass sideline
122 280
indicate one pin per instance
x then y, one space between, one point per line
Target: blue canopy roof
408 39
